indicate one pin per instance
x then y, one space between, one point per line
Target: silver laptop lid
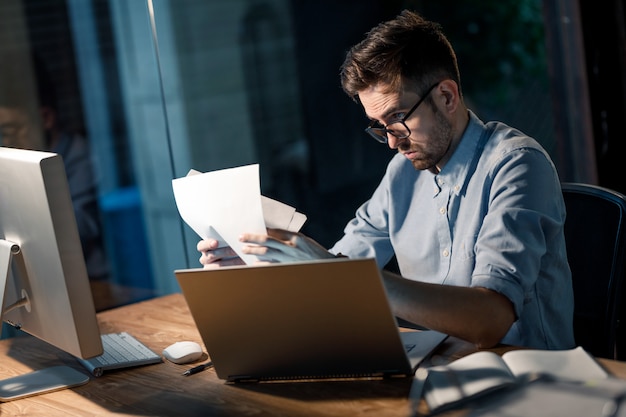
298 320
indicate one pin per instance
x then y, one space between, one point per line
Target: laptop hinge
241 378
393 374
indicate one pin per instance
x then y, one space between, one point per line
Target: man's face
16 130
431 133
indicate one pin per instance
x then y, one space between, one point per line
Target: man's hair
405 49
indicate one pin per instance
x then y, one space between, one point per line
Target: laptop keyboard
121 350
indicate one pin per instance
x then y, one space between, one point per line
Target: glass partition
258 82
150 89
63 89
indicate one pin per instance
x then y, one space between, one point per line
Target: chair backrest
595 237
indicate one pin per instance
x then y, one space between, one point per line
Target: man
473 212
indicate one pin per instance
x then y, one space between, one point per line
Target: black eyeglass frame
380 133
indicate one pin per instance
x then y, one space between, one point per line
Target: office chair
595 237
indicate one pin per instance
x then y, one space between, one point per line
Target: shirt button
445 253
442 210
457 188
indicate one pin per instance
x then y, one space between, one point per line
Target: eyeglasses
398 129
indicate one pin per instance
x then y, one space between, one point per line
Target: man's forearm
478 315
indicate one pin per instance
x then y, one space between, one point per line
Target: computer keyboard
121 350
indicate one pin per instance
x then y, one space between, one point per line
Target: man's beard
441 139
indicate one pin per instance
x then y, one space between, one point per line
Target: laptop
303 320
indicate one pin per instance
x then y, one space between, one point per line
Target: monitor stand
7 250
36 382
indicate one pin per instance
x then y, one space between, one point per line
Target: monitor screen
47 292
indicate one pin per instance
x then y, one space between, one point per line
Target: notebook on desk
321 319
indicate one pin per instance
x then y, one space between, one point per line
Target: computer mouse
183 352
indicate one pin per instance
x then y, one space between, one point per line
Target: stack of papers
224 204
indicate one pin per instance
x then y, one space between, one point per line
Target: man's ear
449 91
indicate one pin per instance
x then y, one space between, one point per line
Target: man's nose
394 142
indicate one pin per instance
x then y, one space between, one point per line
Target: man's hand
213 256
276 246
283 246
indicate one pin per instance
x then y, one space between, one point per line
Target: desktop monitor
44 287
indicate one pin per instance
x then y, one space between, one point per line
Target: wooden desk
161 390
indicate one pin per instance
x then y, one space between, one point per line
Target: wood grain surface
161 390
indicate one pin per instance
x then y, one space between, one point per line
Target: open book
483 372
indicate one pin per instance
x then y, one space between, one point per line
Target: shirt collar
455 172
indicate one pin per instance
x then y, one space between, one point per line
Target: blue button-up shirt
493 218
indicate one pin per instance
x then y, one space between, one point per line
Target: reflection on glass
49 50
42 130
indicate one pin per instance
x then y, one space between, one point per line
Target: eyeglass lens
398 128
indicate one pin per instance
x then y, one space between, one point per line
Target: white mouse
183 352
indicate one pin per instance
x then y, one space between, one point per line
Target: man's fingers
281 234
224 262
206 245
254 238
280 253
219 255
275 238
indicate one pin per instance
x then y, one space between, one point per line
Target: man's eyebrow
394 109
